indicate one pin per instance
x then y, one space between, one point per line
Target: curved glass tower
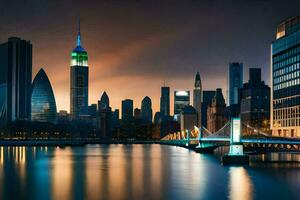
79 80
43 106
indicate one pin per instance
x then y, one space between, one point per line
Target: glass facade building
15 80
43 106
235 82
285 76
79 81
165 101
181 99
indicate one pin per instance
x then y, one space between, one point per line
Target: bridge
203 141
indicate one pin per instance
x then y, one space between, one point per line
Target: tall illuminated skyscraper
79 80
197 98
235 82
285 79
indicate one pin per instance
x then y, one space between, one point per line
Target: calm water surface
141 172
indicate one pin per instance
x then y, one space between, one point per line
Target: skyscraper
255 102
216 112
105 116
285 76
79 80
235 81
165 101
181 99
127 110
43 106
208 95
15 80
197 98
146 110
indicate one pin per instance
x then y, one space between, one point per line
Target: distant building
216 112
255 103
165 101
197 95
63 117
181 99
235 81
285 79
137 113
188 118
127 110
93 110
115 123
105 116
15 80
43 105
146 110
79 81
206 100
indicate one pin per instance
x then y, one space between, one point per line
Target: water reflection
136 172
240 184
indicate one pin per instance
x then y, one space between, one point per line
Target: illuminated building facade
15 80
43 106
285 76
79 81
181 99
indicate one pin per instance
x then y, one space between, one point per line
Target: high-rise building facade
15 80
127 110
235 81
255 101
43 105
197 98
285 76
146 110
181 99
79 80
208 95
188 118
165 101
216 112
105 116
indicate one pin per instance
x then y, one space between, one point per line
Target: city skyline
167 50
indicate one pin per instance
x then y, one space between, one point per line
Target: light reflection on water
140 172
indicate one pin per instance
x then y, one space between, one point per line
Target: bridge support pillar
236 154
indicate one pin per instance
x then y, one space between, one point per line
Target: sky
137 46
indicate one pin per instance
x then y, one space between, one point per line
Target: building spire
79 34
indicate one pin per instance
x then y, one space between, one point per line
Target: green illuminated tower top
79 55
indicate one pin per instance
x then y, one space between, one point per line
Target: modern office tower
255 102
208 95
115 123
181 99
235 81
105 116
165 101
188 118
15 80
79 80
285 76
146 110
216 112
43 106
197 98
127 110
